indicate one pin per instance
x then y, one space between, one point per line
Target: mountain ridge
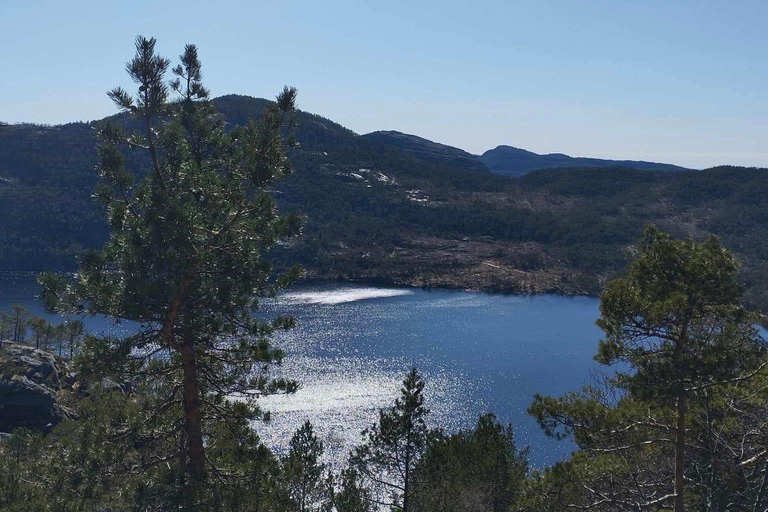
513 161
376 208
504 159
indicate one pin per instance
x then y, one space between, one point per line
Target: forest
206 216
408 217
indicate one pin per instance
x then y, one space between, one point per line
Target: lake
353 343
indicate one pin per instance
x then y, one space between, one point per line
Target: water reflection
353 344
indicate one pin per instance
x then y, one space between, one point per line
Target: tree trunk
406 483
193 418
680 451
682 409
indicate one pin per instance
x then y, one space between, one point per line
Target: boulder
29 388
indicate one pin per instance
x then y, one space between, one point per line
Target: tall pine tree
184 260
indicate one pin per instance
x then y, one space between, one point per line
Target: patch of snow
380 176
413 195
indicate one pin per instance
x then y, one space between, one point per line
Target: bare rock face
30 382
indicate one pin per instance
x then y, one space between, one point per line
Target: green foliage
303 486
675 425
391 448
480 469
116 457
20 326
348 493
185 258
676 319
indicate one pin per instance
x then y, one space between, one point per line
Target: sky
683 82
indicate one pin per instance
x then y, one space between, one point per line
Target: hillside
428 150
409 212
511 161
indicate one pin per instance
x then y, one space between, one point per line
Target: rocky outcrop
31 384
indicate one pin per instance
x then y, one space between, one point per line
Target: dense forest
410 215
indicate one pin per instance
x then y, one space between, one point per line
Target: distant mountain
505 160
511 161
428 150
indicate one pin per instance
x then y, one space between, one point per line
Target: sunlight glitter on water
354 343
344 399
478 353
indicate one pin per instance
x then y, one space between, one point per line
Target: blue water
353 343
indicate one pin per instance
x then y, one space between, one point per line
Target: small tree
74 331
391 447
6 326
19 319
348 493
40 331
302 477
479 469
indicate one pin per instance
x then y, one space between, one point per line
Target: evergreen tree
302 477
73 331
6 325
684 342
185 255
40 331
349 494
391 448
480 469
19 319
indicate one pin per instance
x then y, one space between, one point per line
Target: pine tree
185 255
391 447
480 469
19 319
39 331
675 324
73 331
302 478
349 494
6 325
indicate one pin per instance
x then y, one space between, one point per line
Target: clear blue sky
677 81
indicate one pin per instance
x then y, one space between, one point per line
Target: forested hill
428 150
512 161
409 212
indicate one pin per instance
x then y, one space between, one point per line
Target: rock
29 388
110 385
37 365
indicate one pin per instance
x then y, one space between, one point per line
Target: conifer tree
676 325
73 331
479 469
349 494
391 447
6 326
185 255
302 478
39 329
19 320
